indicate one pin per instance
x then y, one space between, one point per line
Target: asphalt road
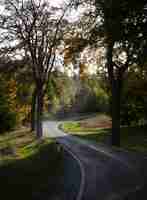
106 174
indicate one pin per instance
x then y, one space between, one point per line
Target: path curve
107 174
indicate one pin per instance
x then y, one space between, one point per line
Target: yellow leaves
22 110
68 56
12 89
74 45
83 71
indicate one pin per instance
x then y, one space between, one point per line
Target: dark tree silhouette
123 24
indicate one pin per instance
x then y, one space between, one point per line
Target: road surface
106 174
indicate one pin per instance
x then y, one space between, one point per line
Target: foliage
19 94
18 78
102 98
69 95
74 45
7 116
134 98
60 92
90 96
16 88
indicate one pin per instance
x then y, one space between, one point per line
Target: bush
7 121
7 118
134 101
133 111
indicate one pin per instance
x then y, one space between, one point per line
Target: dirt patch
97 122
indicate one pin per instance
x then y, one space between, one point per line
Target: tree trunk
33 110
116 92
39 128
115 82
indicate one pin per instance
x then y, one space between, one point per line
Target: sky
73 15
1 8
57 2
52 2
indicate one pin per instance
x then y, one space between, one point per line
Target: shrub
7 118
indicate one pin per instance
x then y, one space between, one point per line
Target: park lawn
132 138
29 169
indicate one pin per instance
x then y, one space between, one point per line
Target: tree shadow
34 178
96 137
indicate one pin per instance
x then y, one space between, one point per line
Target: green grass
132 138
29 169
75 127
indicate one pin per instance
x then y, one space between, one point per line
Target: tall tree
124 32
36 29
120 26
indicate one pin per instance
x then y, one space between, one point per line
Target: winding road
105 173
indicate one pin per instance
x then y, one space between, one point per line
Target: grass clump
132 138
71 126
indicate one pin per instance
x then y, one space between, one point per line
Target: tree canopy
34 29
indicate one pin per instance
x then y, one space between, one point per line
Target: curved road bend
107 174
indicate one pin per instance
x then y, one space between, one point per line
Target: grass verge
132 138
29 169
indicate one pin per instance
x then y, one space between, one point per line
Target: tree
36 29
123 24
120 26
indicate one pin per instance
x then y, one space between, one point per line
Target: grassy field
29 169
132 138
